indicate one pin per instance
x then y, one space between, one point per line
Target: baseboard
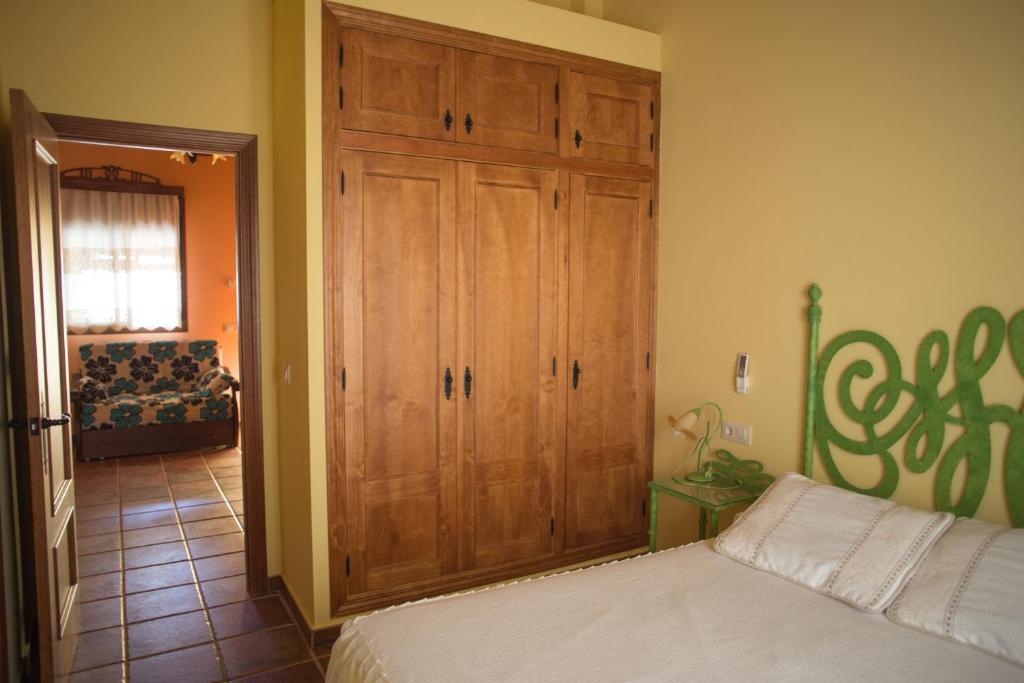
315 637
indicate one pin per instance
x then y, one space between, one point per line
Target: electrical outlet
737 432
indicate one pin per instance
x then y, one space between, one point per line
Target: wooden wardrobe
489 226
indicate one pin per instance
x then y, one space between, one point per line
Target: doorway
53 578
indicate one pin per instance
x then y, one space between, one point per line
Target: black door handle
468 382
47 422
448 119
447 384
578 138
469 124
575 373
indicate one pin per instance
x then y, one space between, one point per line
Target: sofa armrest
217 381
91 390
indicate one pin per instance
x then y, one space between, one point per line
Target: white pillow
970 589
852 547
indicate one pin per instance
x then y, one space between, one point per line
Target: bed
712 611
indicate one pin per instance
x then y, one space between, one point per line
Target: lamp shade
684 424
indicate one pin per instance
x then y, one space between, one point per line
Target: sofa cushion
128 410
149 367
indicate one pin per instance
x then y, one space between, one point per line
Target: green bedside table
706 499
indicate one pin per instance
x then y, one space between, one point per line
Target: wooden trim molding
370 20
244 147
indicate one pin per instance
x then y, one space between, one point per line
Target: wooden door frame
243 146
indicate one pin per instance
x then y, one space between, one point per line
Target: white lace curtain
122 261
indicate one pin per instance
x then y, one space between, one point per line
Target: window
123 252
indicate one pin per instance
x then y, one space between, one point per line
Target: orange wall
209 241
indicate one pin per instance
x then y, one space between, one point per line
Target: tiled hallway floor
162 577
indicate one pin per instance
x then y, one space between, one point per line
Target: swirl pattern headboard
922 427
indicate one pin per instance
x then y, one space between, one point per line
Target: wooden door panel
396 85
53 375
614 119
609 337
511 102
398 242
508 322
39 392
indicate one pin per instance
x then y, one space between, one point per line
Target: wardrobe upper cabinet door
609 337
611 120
397 85
399 325
507 102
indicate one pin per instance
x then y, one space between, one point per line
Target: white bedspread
678 615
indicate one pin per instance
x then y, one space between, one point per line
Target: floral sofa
152 397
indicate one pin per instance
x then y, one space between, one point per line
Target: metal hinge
348 566
643 508
552 526
556 126
341 55
650 208
344 377
341 97
556 199
554 366
341 180
648 360
556 92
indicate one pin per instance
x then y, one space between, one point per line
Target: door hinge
554 366
552 526
348 565
556 126
341 97
556 92
643 508
341 181
648 360
652 110
650 208
341 55
344 379
652 142
556 199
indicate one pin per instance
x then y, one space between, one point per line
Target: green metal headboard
923 425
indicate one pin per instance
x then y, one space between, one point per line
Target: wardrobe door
399 329
396 85
609 338
509 417
507 102
610 119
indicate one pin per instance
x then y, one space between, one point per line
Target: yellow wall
188 63
290 181
874 147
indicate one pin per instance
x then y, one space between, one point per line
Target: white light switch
737 432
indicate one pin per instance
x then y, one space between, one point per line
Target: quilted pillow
970 589
846 545
216 381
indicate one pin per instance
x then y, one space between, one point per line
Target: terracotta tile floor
162 578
